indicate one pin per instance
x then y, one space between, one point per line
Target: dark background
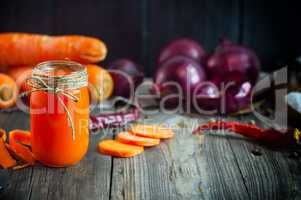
137 29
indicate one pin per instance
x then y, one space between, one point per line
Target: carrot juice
59 113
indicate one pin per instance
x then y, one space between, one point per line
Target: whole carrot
27 49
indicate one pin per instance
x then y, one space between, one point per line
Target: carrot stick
27 49
6 161
118 149
128 138
152 131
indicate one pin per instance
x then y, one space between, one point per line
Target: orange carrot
152 131
8 91
115 148
128 138
20 74
100 82
2 134
6 161
27 49
19 141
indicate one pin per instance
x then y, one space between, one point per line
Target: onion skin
129 74
182 46
210 98
182 70
233 63
227 78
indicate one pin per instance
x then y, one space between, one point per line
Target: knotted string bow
59 86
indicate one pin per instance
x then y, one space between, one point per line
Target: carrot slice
13 153
128 138
6 161
152 131
3 134
115 148
19 140
20 136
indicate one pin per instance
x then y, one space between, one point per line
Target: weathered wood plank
224 178
293 162
3 118
20 181
143 177
266 173
188 167
90 179
183 168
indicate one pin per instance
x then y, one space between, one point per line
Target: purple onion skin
184 71
210 99
122 84
229 64
182 46
233 63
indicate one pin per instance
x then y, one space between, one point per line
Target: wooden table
216 166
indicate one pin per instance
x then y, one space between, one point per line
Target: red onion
233 63
182 46
180 70
211 98
231 71
126 77
234 69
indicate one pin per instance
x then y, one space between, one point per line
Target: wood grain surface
219 165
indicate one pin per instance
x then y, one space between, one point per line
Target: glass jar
59 113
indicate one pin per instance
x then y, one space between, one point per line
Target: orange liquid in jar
52 141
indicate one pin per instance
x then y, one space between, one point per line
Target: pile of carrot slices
132 142
17 153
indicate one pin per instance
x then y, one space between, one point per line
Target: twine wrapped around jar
58 84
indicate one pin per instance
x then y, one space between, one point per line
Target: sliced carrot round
19 141
3 134
118 149
152 131
128 138
20 136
